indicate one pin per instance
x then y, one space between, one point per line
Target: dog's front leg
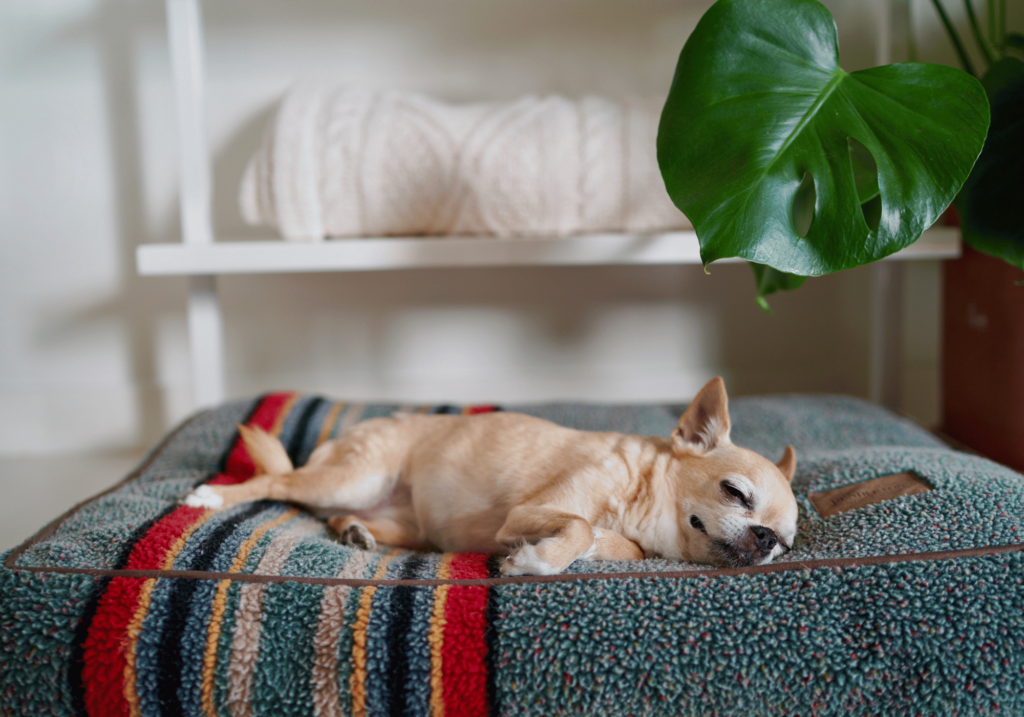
614 546
544 541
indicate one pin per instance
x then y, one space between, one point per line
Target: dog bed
903 594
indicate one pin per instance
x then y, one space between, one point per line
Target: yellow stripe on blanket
131 689
435 637
329 421
358 680
219 602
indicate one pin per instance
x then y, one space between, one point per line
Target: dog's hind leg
367 533
544 541
354 473
351 485
219 497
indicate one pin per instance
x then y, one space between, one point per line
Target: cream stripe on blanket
340 161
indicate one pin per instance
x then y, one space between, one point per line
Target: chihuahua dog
544 494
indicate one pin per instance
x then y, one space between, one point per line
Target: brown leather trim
51 527
561 578
867 492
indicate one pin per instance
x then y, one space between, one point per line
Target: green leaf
759 99
770 280
991 204
865 172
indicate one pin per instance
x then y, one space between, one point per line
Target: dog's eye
696 523
736 494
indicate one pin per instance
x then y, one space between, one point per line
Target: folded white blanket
340 161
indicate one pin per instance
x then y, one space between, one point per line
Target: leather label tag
868 492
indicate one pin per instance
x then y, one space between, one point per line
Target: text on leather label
868 492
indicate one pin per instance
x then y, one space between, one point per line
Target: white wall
93 357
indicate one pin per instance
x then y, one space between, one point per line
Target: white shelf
202 259
388 253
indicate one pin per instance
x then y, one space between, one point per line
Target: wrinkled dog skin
545 495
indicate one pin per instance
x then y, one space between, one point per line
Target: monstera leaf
760 107
991 204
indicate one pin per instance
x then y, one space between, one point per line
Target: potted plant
983 311
781 158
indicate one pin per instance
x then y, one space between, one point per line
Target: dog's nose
765 537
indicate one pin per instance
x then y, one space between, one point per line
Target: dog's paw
204 497
356 535
527 561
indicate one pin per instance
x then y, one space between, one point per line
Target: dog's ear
706 421
787 464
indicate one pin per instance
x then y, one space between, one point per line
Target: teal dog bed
903 594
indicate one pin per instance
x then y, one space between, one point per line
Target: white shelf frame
199 257
390 253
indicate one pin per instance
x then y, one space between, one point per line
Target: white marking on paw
204 497
598 534
525 561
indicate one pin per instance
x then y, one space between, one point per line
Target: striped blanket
133 604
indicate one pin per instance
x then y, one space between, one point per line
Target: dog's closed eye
696 523
735 494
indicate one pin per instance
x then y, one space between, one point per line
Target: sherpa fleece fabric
133 604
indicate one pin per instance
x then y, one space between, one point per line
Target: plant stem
911 38
964 60
978 36
1001 28
990 10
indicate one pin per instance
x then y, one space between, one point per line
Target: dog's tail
266 451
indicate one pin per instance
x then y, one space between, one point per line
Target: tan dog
505 482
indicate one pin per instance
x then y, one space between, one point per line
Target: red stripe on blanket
239 466
473 410
150 552
104 655
465 647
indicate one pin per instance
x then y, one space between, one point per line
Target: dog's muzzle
764 538
750 549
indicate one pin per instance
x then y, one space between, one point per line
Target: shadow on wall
603 333
114 30
229 163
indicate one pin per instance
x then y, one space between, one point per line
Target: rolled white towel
341 162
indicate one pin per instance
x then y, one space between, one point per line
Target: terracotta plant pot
983 356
